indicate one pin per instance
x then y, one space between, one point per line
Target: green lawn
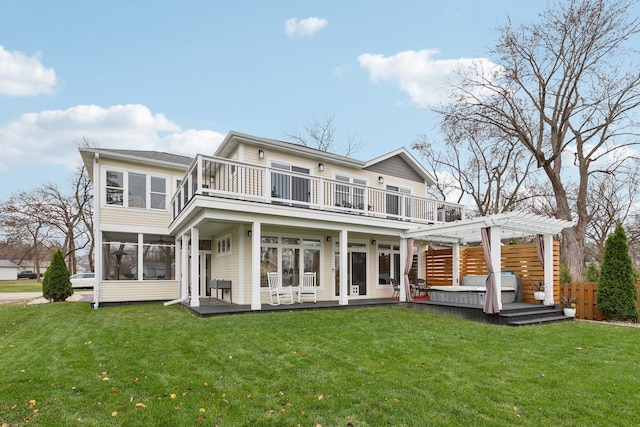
21 285
67 364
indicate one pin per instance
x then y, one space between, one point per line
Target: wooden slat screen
521 259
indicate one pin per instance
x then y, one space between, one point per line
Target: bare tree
566 90
320 134
26 218
496 179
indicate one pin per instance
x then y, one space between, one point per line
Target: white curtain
407 269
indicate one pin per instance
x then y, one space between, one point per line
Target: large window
122 253
143 191
289 186
349 196
290 256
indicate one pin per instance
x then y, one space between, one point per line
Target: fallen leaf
320 397
173 395
395 399
202 410
206 383
280 393
105 379
140 405
114 414
201 419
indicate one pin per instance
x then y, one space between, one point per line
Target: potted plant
569 304
538 291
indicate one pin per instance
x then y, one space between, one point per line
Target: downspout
176 301
97 234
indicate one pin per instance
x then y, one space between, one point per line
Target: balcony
217 177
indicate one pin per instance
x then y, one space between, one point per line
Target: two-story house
166 225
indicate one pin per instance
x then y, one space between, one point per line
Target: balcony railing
219 177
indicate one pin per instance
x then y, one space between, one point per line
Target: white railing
211 176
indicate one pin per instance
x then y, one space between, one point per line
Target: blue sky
177 76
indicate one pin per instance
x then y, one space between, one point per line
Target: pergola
490 230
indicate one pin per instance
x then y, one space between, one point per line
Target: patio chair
396 288
420 286
308 288
277 293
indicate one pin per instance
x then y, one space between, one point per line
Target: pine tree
56 285
617 295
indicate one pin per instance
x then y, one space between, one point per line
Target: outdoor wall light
249 233
373 242
321 167
381 179
260 154
329 239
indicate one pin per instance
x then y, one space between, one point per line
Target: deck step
540 320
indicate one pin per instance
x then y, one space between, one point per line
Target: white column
403 263
255 266
455 250
184 266
242 267
140 254
195 262
548 269
177 256
496 262
344 297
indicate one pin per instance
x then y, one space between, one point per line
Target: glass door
356 271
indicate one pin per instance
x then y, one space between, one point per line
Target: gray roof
153 155
5 263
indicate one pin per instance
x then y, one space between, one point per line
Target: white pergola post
548 270
494 236
195 262
344 296
403 262
455 250
255 266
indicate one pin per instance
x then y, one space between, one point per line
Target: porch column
455 250
494 235
548 270
403 261
184 266
195 262
255 266
344 296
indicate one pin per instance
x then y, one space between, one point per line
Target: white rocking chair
277 293
308 288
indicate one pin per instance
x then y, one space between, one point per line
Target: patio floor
516 314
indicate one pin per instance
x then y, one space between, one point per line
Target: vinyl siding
134 290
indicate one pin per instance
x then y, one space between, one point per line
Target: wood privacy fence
521 259
586 294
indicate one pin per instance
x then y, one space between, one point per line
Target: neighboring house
8 270
165 225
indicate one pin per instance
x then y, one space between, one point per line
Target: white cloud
21 75
50 137
418 74
304 27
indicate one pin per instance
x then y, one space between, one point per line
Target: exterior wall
9 273
395 170
132 290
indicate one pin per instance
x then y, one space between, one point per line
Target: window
289 186
123 252
143 191
289 256
224 245
158 193
115 188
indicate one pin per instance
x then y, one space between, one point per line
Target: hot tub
474 292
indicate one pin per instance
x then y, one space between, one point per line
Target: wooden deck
516 314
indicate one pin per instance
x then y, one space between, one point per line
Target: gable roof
5 263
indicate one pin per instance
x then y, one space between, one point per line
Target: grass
66 364
20 285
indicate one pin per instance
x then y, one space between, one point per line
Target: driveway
37 298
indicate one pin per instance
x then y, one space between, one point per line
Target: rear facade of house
166 225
